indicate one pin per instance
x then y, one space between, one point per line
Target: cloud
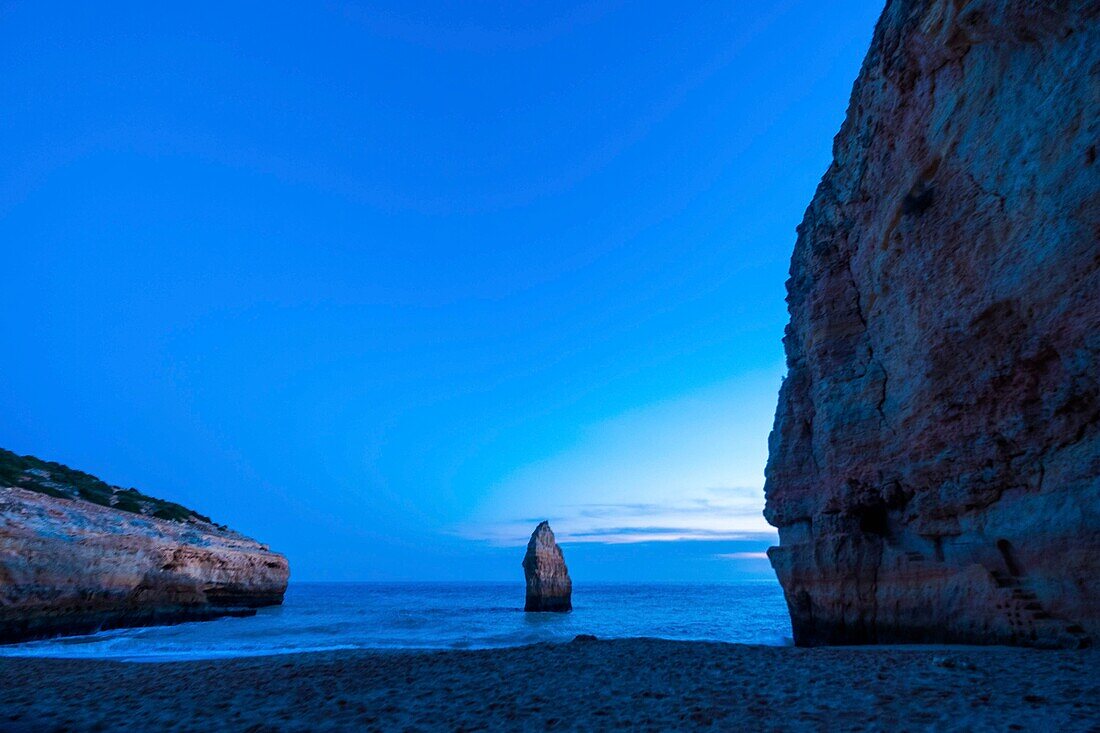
749 493
624 535
686 508
734 514
743 556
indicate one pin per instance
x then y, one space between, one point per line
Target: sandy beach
642 684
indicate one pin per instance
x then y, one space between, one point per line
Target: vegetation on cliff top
49 477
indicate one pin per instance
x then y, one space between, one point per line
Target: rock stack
548 585
934 469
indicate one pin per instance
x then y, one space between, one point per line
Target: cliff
549 587
934 468
78 555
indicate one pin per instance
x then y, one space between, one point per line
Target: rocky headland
549 587
934 468
78 555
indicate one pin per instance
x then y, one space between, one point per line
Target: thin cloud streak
727 514
742 556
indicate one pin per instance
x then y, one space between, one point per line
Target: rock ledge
70 566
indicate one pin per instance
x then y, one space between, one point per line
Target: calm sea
330 616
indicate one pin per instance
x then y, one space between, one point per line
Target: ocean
332 616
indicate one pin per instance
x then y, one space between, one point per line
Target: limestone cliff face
70 566
549 587
934 469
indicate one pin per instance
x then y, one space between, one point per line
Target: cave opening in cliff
873 520
1005 548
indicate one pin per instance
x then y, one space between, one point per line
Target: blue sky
383 284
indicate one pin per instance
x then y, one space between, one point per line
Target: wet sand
639 684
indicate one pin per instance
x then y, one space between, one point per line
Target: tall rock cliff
78 555
549 587
934 469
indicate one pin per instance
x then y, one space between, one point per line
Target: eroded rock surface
934 469
71 566
548 585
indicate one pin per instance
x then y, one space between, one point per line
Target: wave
326 617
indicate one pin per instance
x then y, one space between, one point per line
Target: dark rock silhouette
934 469
548 585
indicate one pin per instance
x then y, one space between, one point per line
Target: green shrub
67 483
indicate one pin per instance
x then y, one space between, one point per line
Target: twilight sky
385 284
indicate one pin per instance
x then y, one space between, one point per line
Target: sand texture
639 684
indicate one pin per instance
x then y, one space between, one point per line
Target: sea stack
934 468
548 585
78 555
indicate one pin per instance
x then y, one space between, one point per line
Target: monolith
548 585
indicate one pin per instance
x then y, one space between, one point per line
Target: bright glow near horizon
683 469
